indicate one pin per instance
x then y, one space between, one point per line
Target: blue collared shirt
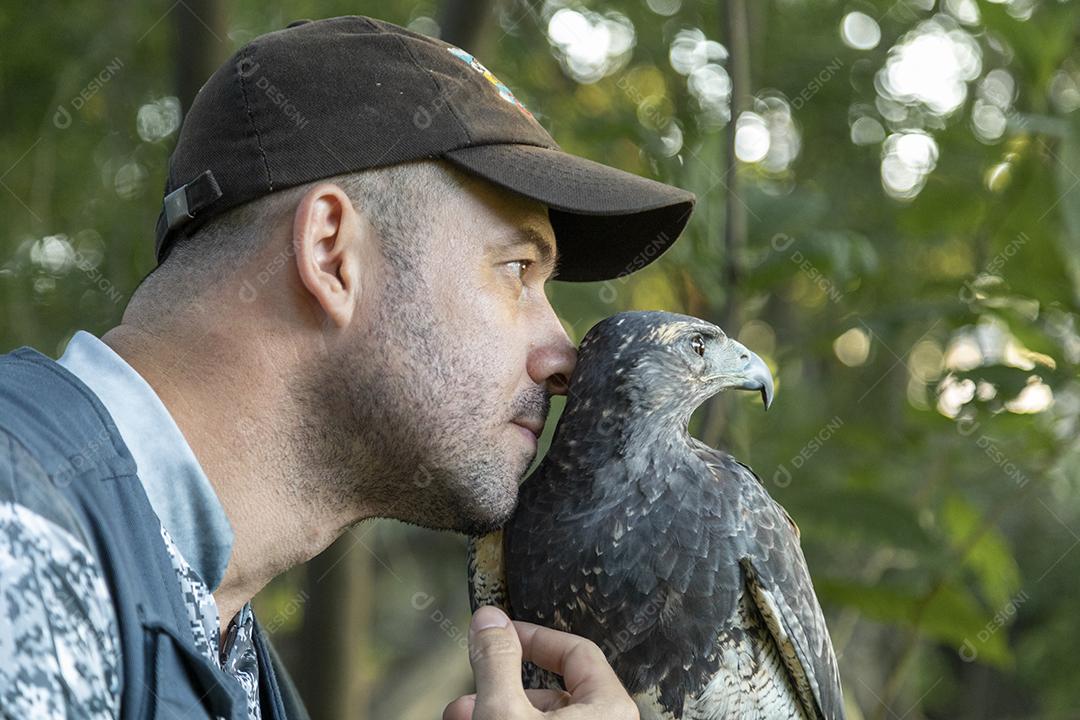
179 491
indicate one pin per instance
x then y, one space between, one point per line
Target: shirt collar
179 491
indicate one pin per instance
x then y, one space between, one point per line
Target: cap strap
186 201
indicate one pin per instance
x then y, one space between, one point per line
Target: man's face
457 365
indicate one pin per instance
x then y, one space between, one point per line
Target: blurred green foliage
910 180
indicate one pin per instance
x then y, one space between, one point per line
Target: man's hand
496 650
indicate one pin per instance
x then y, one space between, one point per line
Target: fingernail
488 616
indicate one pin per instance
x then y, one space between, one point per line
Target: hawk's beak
744 370
757 376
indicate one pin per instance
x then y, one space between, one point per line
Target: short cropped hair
402 202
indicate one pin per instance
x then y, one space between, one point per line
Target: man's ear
327 235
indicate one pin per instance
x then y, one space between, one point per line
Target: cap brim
607 222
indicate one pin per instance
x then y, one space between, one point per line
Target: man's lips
531 424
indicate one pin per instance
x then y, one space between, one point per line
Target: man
348 320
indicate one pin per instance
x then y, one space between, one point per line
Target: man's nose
551 363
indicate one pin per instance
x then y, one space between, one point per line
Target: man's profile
348 320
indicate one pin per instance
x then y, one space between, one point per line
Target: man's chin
473 501
480 530
478 522
468 524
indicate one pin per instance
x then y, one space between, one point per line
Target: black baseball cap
326 97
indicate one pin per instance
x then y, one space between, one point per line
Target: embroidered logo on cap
504 92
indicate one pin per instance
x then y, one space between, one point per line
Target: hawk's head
665 362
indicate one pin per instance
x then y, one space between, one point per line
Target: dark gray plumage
668 554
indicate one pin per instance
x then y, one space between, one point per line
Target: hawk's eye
698 344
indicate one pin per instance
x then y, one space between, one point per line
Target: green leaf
1067 174
989 559
860 515
951 615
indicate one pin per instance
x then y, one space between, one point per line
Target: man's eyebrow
529 235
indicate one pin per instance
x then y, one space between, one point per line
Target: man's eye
524 266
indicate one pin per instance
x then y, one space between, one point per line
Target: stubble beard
407 431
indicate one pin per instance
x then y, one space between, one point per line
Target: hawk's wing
648 576
657 580
778 581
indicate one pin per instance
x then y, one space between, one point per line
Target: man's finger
586 673
495 655
548 699
460 709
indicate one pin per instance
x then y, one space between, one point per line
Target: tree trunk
335 630
464 23
201 45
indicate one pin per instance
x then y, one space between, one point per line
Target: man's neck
228 407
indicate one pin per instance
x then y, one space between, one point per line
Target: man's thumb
495 655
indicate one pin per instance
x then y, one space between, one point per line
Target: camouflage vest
83 478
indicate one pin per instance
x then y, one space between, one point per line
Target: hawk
667 553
